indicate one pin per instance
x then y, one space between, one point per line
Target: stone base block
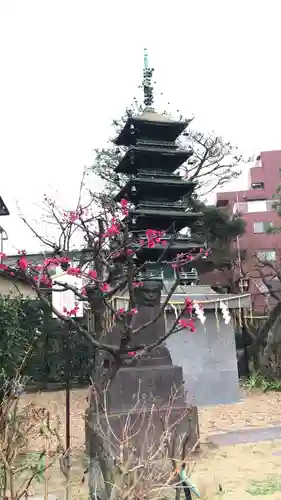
144 428
154 385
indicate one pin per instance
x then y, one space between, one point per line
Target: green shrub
32 342
20 321
258 381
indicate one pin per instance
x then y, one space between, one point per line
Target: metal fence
46 367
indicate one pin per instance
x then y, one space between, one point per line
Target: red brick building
255 206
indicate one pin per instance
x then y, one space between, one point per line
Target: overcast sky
67 67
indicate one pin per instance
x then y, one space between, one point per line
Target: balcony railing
174 237
156 144
157 173
253 206
185 277
178 205
189 275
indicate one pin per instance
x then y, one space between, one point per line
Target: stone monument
149 385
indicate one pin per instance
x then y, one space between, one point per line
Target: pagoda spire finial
146 83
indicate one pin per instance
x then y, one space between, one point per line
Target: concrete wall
8 287
208 360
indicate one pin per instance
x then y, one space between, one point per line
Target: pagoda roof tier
3 209
150 124
142 219
143 188
171 250
149 157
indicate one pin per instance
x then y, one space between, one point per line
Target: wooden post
67 374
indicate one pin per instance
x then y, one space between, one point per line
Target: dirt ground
232 472
255 410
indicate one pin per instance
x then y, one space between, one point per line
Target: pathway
245 436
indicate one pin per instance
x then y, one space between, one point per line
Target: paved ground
243 436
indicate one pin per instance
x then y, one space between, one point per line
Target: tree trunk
263 343
263 332
101 467
271 355
256 358
101 463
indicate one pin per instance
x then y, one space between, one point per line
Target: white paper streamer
225 312
199 311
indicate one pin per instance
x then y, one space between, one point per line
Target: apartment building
255 206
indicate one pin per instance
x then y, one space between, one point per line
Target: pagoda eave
143 219
136 156
144 186
171 214
170 251
150 126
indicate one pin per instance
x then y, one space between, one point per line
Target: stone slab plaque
208 360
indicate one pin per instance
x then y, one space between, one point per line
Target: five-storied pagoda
159 196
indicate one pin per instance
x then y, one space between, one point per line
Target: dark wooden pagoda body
158 195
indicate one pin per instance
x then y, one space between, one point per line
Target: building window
262 227
258 161
222 203
257 206
269 255
257 185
